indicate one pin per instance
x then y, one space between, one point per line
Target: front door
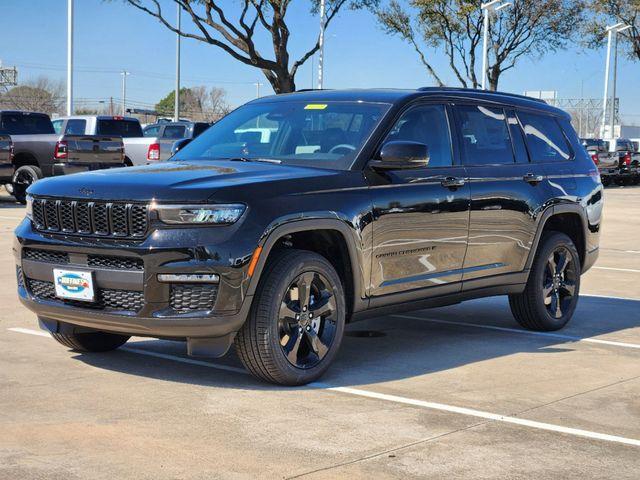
507 193
420 215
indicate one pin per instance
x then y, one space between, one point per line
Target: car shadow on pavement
401 348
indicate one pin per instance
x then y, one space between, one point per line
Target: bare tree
198 103
39 95
454 27
237 36
613 11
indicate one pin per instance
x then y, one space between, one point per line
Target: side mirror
402 154
179 145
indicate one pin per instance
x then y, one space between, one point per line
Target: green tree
528 28
197 103
235 27
607 12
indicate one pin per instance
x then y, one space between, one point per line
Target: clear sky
111 36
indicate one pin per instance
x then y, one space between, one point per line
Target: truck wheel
551 294
296 323
23 178
606 181
91 341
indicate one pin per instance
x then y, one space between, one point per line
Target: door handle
452 182
532 178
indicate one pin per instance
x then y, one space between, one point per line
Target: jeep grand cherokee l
298 213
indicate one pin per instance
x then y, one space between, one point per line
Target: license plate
74 285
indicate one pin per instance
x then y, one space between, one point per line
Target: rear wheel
551 294
296 322
91 341
23 178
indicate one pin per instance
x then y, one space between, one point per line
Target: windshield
325 135
120 128
25 123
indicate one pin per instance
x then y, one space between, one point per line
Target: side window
517 138
545 139
151 131
75 127
174 131
485 136
198 128
426 124
57 125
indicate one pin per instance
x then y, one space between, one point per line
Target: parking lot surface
456 392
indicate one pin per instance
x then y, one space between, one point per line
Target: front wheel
551 294
296 323
23 178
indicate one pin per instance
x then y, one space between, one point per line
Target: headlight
29 210
200 214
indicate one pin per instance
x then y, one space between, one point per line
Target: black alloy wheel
306 323
559 285
23 178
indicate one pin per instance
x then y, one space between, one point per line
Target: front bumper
130 299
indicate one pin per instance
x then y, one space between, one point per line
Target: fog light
188 278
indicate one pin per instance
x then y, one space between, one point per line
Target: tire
23 178
283 342
534 309
606 181
91 341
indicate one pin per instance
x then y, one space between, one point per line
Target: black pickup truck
37 151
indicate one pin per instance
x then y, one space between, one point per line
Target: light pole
321 44
615 78
176 107
124 74
487 9
69 57
611 30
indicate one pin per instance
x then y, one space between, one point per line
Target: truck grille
104 219
47 256
191 298
106 299
118 263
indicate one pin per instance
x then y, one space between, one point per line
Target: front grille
103 219
47 256
19 276
118 263
106 299
191 298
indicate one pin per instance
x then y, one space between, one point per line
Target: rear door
506 191
420 216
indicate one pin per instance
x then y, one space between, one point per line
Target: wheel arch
25 158
568 219
313 233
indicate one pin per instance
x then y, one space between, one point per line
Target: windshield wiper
247 159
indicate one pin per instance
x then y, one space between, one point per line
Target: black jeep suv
298 213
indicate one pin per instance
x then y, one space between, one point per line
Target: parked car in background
38 151
136 145
171 136
608 164
361 202
623 151
6 158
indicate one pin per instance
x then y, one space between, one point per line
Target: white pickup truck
136 146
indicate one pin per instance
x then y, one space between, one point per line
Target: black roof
390 95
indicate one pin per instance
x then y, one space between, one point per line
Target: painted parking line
559 336
396 399
627 270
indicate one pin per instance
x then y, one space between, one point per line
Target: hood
170 181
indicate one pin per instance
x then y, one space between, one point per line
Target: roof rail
486 92
312 90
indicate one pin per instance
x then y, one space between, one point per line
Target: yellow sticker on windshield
315 106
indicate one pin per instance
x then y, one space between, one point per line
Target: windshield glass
325 135
25 123
120 128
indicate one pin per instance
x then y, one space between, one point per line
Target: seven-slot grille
90 218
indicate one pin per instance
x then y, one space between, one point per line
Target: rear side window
75 127
151 131
545 139
119 128
174 131
25 124
57 125
485 135
426 124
